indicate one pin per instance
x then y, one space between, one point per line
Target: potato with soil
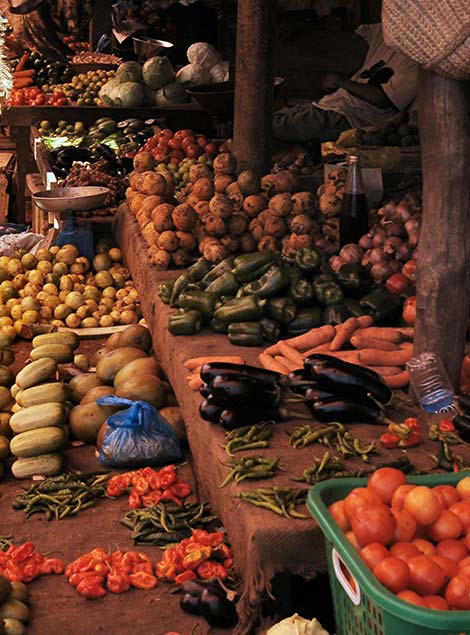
248 182
281 204
221 182
213 250
180 258
225 163
199 171
235 194
143 161
215 226
162 217
204 189
254 204
303 203
184 217
221 205
285 181
188 243
301 224
237 224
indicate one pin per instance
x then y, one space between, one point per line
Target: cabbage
157 71
203 54
296 625
193 75
129 72
171 94
108 91
128 94
219 72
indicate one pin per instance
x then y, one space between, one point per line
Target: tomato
393 573
448 525
409 310
397 283
175 144
177 156
211 149
184 132
449 567
151 143
447 495
426 576
166 132
404 550
57 94
399 495
358 497
462 510
373 553
453 549
373 523
458 593
405 529
463 488
466 541
337 511
413 598
202 140
193 151
40 100
426 547
463 563
422 504
385 481
187 141
62 101
351 537
436 602
409 270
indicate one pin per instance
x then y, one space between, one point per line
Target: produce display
22 563
47 72
98 174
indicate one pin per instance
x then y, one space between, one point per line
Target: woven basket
434 33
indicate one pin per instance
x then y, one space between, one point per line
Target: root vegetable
254 204
379 237
366 241
235 195
376 256
303 203
204 188
168 241
336 262
237 224
187 241
215 226
247 243
269 243
180 258
403 212
184 217
214 252
221 205
161 259
275 226
382 270
395 228
301 224
391 245
351 253
230 243
281 204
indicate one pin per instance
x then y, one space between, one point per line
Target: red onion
391 245
403 212
414 254
388 211
382 270
336 262
412 224
376 255
395 265
379 238
326 247
366 258
403 252
351 253
395 228
366 241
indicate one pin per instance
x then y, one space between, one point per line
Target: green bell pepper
179 286
201 301
250 267
336 314
308 259
326 290
245 334
353 306
218 270
164 291
219 326
240 310
305 320
354 279
185 323
226 284
282 309
383 306
294 273
199 269
269 284
301 292
270 329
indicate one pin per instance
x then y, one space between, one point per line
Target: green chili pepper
308 259
270 330
164 291
185 323
326 290
384 307
305 320
217 271
269 284
201 301
226 284
250 267
240 310
282 309
179 286
301 291
245 334
354 279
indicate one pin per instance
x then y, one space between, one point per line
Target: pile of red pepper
120 570
148 486
22 563
402 435
204 555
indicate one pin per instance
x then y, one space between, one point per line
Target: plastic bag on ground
137 436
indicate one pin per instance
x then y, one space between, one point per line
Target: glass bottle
354 217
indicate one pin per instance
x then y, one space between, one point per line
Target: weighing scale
61 203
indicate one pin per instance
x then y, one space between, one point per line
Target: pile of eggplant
237 395
63 158
207 598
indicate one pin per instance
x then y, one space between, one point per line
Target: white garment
395 73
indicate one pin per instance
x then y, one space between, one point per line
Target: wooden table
21 118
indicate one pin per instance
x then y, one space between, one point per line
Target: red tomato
447 495
463 488
393 573
373 553
448 525
413 598
187 141
385 481
453 549
409 310
436 602
184 132
202 140
449 567
373 523
211 149
397 283
351 537
466 541
151 143
458 593
166 132
409 270
177 156
405 530
399 495
337 511
174 144
422 504
426 547
193 151
57 94
358 497
40 100
404 550
462 510
426 576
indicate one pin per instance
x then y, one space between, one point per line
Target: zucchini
14 609
40 441
47 464
62 353
64 337
44 393
35 373
38 416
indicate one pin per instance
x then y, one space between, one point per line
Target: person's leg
305 122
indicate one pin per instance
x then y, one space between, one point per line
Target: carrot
290 353
313 338
22 61
288 363
346 356
364 321
273 350
270 363
195 382
343 333
408 332
397 381
323 348
23 82
387 333
386 370
30 72
374 357
406 346
359 340
194 362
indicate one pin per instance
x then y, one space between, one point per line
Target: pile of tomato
179 145
34 96
415 539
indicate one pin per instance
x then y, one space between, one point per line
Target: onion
395 265
388 211
336 262
413 201
381 271
366 241
376 255
326 247
366 258
379 238
414 254
412 224
395 228
403 212
403 252
391 245
351 253
413 228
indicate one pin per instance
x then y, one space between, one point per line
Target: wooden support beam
443 291
254 85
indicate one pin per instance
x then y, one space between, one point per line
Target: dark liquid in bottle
353 219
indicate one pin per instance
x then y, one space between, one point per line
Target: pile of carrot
194 365
382 349
22 78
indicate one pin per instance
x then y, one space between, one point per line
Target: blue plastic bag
137 436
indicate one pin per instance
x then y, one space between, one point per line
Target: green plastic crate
369 608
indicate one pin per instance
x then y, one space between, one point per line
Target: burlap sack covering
434 33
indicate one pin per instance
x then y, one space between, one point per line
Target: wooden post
254 85
443 291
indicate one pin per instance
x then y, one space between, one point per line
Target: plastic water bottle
430 383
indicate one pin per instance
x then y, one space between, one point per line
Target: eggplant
210 411
236 418
211 370
339 363
190 603
462 424
345 411
205 391
217 609
244 391
313 393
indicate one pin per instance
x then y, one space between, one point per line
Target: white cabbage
193 75
219 72
296 625
203 54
